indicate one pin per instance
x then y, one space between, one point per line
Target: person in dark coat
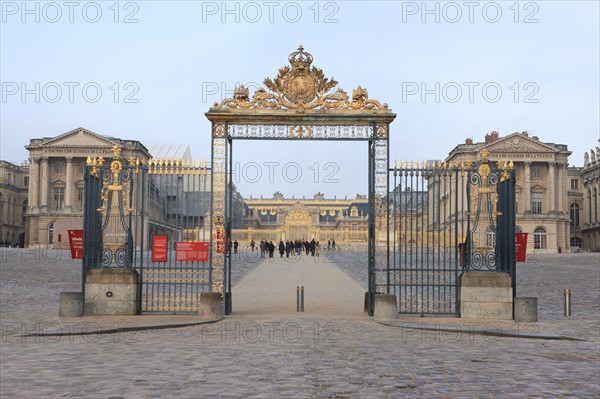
271 249
288 248
307 246
281 248
312 245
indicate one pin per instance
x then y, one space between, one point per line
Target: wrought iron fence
446 219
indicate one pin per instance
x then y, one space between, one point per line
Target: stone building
56 181
590 223
541 185
576 203
14 180
342 220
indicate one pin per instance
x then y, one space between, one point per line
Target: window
576 242
540 238
59 167
589 201
595 206
574 212
536 171
80 197
59 197
516 202
26 181
536 203
82 167
574 184
24 211
51 233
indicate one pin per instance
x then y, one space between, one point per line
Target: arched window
574 212
540 238
518 229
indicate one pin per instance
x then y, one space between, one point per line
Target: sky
149 70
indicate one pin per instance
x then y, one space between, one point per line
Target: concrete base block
526 310
211 305
71 304
485 295
386 307
111 292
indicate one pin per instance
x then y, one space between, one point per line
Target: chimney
469 141
490 138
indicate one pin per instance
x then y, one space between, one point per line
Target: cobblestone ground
300 355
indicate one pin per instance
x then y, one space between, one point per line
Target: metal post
302 299
297 298
567 307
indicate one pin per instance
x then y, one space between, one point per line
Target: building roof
171 151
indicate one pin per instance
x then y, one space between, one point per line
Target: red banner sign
76 243
521 246
159 248
191 251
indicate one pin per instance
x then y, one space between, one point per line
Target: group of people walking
295 248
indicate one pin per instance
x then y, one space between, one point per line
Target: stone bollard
71 304
211 305
386 307
526 310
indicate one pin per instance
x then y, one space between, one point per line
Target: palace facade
324 219
590 223
56 182
14 180
43 198
541 185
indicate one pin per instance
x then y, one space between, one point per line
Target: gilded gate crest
301 87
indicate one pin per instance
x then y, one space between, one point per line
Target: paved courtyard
265 349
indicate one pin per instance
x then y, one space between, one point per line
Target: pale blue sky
178 54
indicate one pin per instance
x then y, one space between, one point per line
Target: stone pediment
519 143
79 138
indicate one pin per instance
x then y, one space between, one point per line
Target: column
44 181
561 187
33 189
69 184
527 187
551 187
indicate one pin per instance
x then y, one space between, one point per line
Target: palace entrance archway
300 104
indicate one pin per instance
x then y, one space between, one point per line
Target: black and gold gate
447 218
151 216
299 104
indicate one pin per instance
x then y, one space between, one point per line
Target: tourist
281 248
333 244
312 245
235 246
271 249
252 243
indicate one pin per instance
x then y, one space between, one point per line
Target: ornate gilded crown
300 59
